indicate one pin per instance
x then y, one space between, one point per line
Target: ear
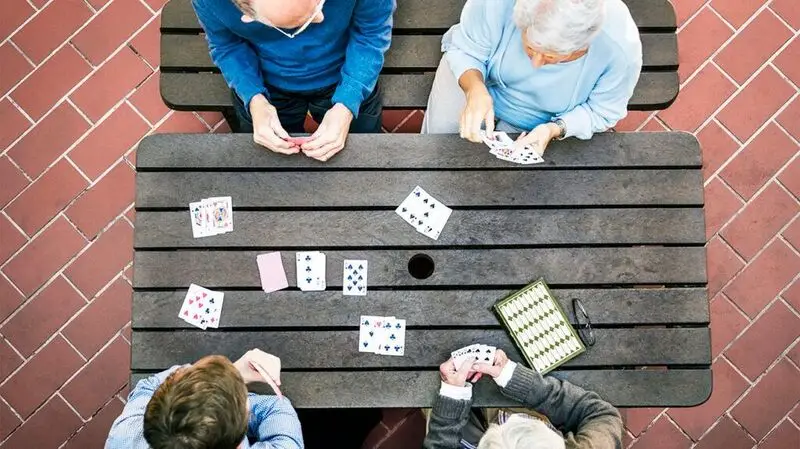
247 19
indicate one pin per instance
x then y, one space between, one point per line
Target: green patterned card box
539 327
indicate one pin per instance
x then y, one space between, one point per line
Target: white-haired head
559 26
520 433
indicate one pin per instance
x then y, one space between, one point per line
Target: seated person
283 59
206 405
585 419
549 68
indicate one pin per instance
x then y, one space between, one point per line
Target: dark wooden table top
616 221
190 81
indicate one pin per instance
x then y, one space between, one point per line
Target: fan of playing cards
202 307
385 335
211 216
503 148
474 354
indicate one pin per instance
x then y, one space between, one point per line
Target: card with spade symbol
311 271
354 278
201 307
427 214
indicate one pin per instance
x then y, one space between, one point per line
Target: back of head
560 26
518 433
203 406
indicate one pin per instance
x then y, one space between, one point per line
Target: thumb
490 121
277 128
483 368
465 367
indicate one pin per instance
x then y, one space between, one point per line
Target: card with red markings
202 307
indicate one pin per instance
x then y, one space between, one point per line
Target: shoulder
620 36
495 13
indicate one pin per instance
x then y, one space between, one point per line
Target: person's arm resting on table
370 35
240 67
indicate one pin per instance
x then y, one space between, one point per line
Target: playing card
465 353
311 269
199 218
270 268
427 214
393 338
213 309
370 329
193 310
221 214
485 354
496 139
354 277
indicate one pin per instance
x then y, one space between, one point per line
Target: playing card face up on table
385 335
503 148
354 277
202 307
311 267
425 213
211 216
539 328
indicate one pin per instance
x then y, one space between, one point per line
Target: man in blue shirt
283 59
206 405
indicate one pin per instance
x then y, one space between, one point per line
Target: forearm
447 420
471 79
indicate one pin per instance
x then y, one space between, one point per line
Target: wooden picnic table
616 221
191 82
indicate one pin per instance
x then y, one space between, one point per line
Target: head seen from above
555 31
197 407
521 433
289 18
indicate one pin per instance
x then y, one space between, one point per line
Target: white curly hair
560 26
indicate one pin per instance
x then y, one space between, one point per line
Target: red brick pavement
79 89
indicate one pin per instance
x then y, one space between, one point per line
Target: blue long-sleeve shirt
347 49
590 93
272 422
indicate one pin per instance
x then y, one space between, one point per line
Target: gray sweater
586 420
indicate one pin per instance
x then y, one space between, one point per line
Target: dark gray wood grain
189 53
454 188
208 91
454 308
279 229
416 151
482 267
312 349
631 388
440 14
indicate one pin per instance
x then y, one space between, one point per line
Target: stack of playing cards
354 277
384 335
539 327
211 216
202 307
270 268
503 148
311 271
473 354
424 212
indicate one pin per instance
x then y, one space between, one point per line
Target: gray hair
521 434
560 26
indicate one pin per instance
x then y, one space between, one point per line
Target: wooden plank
483 267
457 189
278 229
415 151
631 388
254 309
314 349
189 52
208 91
441 14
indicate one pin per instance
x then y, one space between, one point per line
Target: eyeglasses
584 324
305 25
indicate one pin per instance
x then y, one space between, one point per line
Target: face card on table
221 213
199 218
354 277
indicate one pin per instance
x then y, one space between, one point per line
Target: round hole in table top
421 266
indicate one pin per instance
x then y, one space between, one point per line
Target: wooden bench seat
191 82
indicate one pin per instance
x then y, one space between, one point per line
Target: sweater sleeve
470 44
586 419
448 418
370 35
235 58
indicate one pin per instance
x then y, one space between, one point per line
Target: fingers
267 138
490 121
278 129
474 128
466 367
491 370
321 152
476 377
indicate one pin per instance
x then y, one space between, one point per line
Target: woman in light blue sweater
549 68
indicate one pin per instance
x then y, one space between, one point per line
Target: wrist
342 109
258 103
554 129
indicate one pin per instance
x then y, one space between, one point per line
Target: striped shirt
273 422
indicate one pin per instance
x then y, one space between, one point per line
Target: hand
330 136
479 108
539 138
494 370
258 366
451 375
267 129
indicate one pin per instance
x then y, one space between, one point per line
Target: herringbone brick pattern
79 89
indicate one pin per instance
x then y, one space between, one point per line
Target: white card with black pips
354 277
